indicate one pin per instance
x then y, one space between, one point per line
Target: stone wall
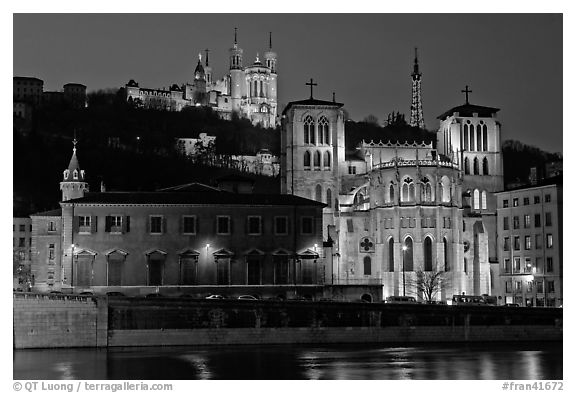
59 321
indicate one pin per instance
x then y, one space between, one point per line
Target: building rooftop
49 213
468 110
192 198
551 181
312 102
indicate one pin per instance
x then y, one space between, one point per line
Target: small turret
73 184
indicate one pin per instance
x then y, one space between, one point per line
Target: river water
533 361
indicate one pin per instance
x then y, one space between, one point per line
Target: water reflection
480 361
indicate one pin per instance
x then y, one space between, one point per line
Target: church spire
207 50
73 184
416 113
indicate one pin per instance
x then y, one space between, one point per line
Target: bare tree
371 119
427 284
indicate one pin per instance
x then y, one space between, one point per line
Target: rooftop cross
311 84
466 91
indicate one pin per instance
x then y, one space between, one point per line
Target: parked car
401 300
114 294
87 293
247 297
215 297
511 305
56 292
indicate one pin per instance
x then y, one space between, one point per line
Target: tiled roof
193 198
49 213
467 110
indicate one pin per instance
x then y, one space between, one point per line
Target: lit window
549 240
84 224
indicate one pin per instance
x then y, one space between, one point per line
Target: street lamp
404 248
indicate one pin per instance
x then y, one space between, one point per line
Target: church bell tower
73 184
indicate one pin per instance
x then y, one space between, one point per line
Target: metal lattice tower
416 113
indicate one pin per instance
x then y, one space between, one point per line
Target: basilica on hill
249 90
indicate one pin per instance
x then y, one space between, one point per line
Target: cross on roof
466 91
311 84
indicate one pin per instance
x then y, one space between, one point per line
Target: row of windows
528 242
476 166
425 222
408 255
475 141
527 221
21 228
319 131
189 225
305 271
427 190
326 161
527 267
526 200
518 285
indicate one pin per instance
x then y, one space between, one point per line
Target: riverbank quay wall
59 321
73 321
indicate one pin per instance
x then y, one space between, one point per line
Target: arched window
308 129
485 137
318 193
426 191
446 256
317 160
466 166
327 162
427 254
408 262
472 144
466 139
391 255
478 137
445 188
307 159
75 174
476 166
484 200
391 193
408 190
367 265
323 133
476 199
485 166
329 197
465 265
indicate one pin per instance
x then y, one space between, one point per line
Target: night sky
510 61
